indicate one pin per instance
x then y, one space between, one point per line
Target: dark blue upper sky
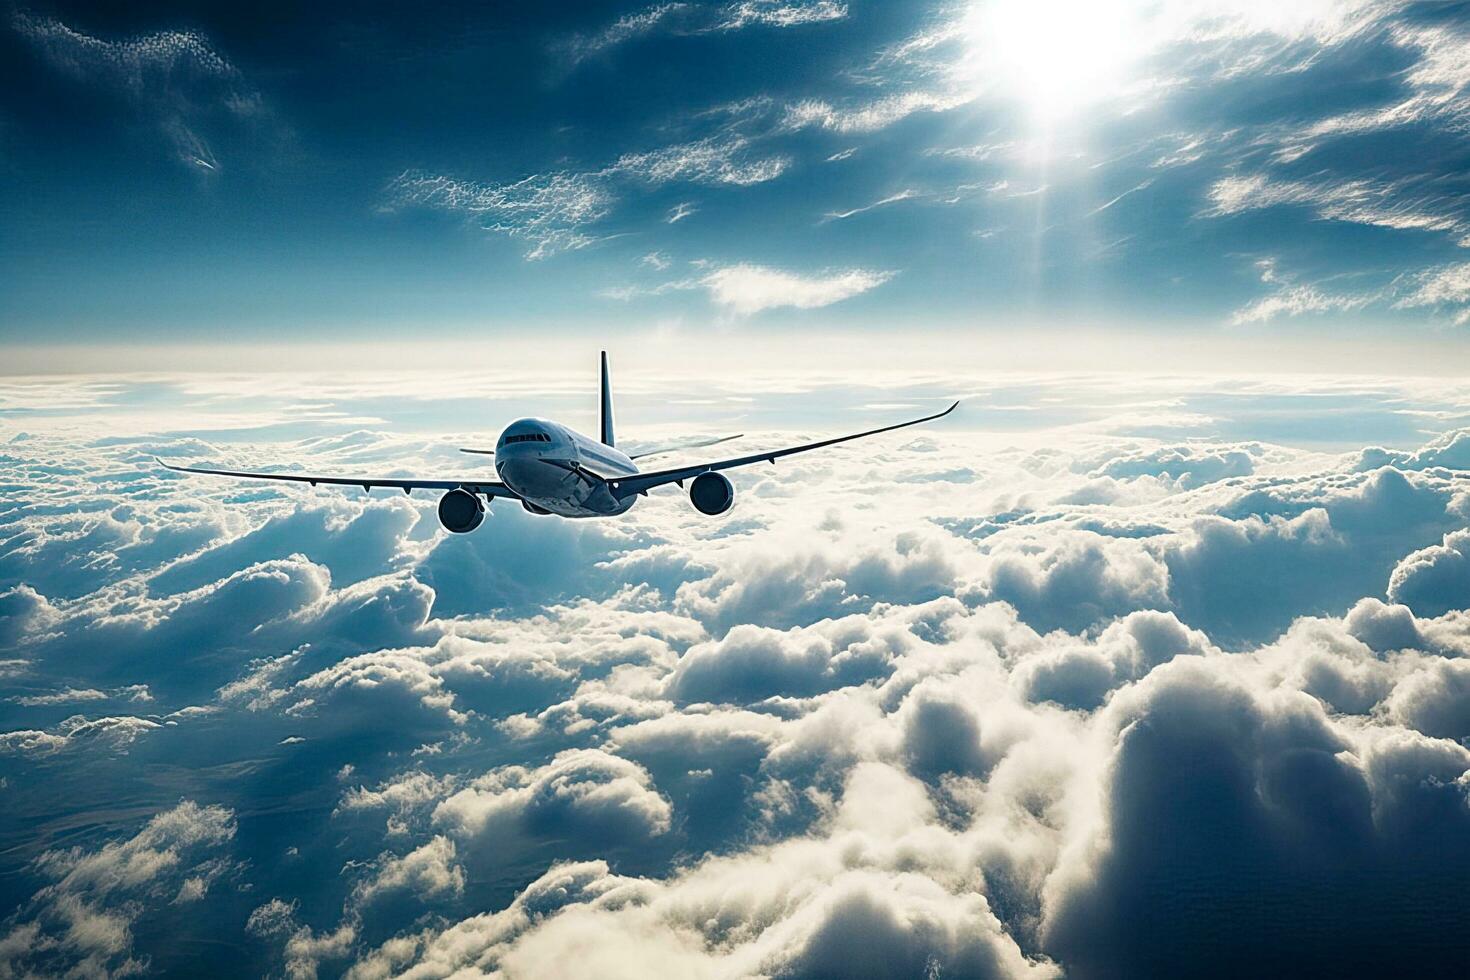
187 172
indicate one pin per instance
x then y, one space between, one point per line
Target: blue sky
1275 172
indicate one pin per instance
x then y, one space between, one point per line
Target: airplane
552 469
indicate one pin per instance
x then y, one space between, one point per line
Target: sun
1053 58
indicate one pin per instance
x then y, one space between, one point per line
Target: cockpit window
528 437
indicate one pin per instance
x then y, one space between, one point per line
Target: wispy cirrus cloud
690 18
719 159
870 116
547 210
554 212
1446 287
780 13
580 47
1291 298
1439 87
176 77
907 194
1400 205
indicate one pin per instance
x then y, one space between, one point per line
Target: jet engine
711 493
460 511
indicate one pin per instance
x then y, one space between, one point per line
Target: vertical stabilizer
607 413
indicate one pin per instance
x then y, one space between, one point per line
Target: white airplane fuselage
556 469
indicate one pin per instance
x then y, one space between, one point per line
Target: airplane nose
529 475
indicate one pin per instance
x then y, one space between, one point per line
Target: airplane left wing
488 488
643 482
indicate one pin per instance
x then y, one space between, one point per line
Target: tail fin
607 412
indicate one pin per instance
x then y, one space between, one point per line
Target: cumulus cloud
426 871
1434 580
587 789
117 733
955 704
1450 451
1231 777
81 922
751 663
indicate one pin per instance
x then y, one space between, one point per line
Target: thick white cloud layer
973 703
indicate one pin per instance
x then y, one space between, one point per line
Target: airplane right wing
643 482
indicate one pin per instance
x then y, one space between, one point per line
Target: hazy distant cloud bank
961 703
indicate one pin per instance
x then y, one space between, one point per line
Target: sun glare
1054 58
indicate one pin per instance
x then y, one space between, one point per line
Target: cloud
1436 579
903 195
427 871
1296 301
713 160
748 289
1190 466
694 19
176 77
548 210
962 703
807 914
584 790
554 211
871 116
750 663
780 13
1232 777
1437 81
1446 286
1451 451
1393 205
627 27
1079 580
116 733
82 920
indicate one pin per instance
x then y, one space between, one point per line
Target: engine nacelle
711 493
460 511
